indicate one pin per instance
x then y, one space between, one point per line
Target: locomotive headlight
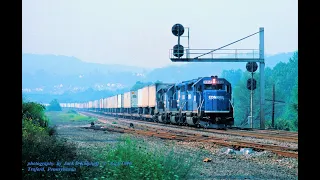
213 81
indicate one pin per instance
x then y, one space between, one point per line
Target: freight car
202 102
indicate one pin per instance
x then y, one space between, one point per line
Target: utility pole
273 99
273 103
251 104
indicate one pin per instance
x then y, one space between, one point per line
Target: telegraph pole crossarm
273 103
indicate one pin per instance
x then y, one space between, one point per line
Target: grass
68 116
143 161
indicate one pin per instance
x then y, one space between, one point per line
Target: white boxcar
105 105
113 101
101 103
95 104
108 102
152 96
134 98
120 100
127 100
143 97
130 99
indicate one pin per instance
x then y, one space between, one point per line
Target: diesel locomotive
202 102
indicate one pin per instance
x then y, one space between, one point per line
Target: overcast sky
138 32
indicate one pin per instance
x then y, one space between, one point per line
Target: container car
202 102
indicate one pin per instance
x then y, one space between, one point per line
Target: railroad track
268 131
261 134
185 136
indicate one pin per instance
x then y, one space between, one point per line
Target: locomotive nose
216 101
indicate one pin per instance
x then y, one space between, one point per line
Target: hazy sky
138 32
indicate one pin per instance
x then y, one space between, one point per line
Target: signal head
177 30
178 50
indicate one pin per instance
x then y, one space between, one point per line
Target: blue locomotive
202 102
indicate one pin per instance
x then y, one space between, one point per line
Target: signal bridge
226 55
251 56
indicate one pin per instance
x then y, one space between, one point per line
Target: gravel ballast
259 165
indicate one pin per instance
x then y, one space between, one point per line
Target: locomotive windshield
214 87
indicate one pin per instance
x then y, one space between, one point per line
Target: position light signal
254 84
178 50
177 30
251 66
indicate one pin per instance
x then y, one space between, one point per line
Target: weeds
69 116
127 159
143 160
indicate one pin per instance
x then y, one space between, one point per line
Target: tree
34 112
284 76
233 76
139 85
54 106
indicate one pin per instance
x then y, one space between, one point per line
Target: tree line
284 76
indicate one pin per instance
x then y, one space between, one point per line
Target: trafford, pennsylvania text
60 166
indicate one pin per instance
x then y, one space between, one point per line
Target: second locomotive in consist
202 102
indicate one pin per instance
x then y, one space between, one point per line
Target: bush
35 113
52 131
54 106
142 161
282 124
38 145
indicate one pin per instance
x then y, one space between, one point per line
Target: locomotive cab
216 98
217 107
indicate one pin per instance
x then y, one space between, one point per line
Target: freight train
202 102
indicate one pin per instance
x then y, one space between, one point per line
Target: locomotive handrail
231 103
199 108
199 98
170 88
184 103
197 81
